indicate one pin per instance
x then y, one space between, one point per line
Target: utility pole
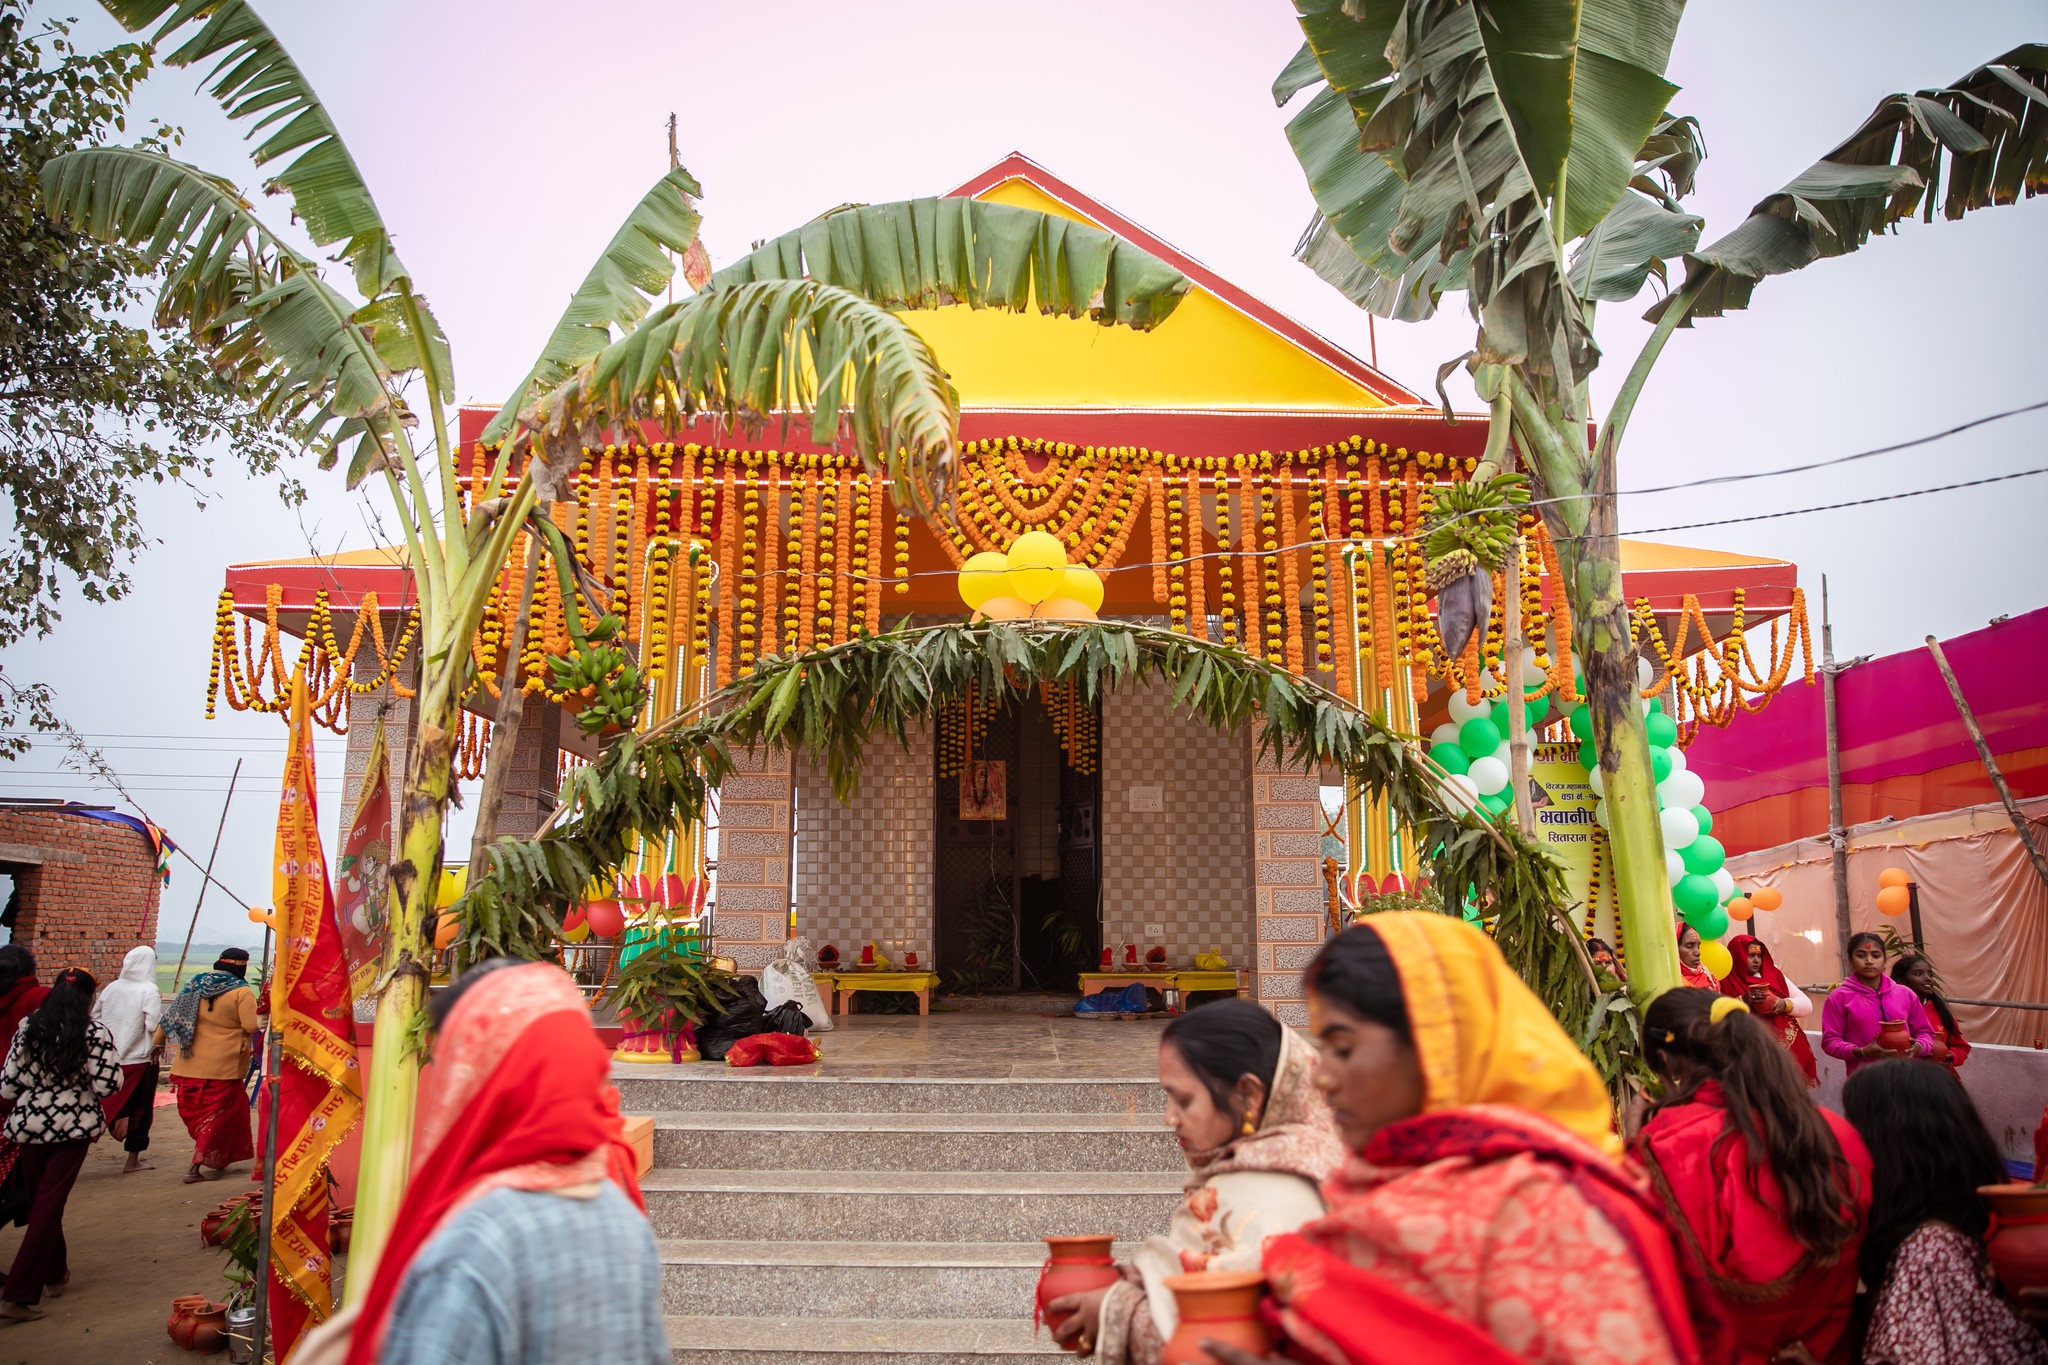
1838 840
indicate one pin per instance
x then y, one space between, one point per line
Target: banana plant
359 368
1528 157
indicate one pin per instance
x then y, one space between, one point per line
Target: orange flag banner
320 1085
362 874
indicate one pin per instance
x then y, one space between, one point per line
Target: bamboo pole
2005 797
206 880
1838 839
1511 666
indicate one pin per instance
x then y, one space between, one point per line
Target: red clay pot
1893 1036
1216 1305
1074 1265
197 1324
2019 1235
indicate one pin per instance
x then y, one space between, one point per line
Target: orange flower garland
1196 567
728 539
1174 503
1318 568
1161 588
748 587
1226 599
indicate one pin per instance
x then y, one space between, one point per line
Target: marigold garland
1196 565
1226 599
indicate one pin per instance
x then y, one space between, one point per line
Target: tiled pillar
363 711
864 869
751 903
1287 824
536 755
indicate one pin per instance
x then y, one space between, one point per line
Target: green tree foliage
94 406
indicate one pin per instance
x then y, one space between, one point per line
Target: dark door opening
1018 861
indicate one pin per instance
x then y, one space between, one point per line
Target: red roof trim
1017 166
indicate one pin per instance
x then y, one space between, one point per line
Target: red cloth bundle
772 1049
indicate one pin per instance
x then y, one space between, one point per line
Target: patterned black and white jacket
60 1109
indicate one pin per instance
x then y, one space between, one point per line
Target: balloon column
1033 582
1703 893
1473 745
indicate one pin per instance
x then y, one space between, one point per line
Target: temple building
1230 473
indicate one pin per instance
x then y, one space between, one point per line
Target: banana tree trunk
1579 511
391 1089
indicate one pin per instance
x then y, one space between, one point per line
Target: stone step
984 1280
937 1206
662 1088
697 1340
722 1140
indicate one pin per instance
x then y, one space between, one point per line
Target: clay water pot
1216 1305
1893 1036
1073 1265
179 1324
2019 1235
210 1329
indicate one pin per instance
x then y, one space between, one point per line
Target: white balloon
1644 673
1462 710
1642 706
1683 791
1597 780
1677 756
1461 788
1447 733
1724 884
1674 866
1532 675
1600 813
1680 828
1489 775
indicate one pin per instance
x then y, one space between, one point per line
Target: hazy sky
505 141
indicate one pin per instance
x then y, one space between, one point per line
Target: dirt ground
134 1246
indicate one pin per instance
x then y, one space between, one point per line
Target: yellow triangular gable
1207 355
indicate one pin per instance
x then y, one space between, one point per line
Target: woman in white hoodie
130 1009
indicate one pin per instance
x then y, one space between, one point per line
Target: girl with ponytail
1771 1191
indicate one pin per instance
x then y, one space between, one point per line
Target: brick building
85 888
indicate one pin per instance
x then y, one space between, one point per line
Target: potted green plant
665 986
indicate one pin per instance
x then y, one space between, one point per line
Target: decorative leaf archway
828 704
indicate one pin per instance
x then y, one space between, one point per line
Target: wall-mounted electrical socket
1155 931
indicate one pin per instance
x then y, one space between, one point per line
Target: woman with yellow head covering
1482 1215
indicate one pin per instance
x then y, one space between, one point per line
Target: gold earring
1250 1126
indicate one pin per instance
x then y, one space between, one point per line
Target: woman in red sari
1770 1191
1756 981
1689 960
1483 1215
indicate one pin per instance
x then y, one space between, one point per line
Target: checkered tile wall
864 870
1188 866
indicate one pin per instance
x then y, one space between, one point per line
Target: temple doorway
1018 879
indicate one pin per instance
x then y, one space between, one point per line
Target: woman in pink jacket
1858 1008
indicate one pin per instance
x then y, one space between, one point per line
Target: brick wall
1288 815
91 895
751 901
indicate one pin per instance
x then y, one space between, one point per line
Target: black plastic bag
787 1017
743 1013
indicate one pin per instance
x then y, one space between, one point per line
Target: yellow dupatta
1481 1035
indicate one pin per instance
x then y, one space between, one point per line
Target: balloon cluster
1472 747
1894 891
1032 582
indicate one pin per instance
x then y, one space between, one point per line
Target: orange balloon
445 931
1740 908
1894 900
1894 876
1767 898
1004 608
1065 609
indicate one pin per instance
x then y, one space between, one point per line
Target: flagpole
206 880
273 1061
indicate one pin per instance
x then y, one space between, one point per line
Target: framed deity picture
985 790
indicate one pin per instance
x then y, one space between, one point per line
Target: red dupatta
1739 981
1336 1311
523 1101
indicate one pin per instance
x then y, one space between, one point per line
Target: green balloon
1588 759
1695 895
1663 731
1660 765
1656 706
1478 737
1582 721
1705 818
1449 757
1536 711
1703 855
1578 683
1711 924
1497 802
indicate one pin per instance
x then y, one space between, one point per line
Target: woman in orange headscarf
522 1237
1483 1215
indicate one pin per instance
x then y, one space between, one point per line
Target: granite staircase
828 1220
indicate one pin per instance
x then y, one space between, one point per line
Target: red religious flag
320 1086
362 874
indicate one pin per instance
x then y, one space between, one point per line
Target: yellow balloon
1716 958
1037 562
1004 608
1064 609
454 881
981 577
1083 586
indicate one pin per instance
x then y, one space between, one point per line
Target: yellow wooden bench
844 984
